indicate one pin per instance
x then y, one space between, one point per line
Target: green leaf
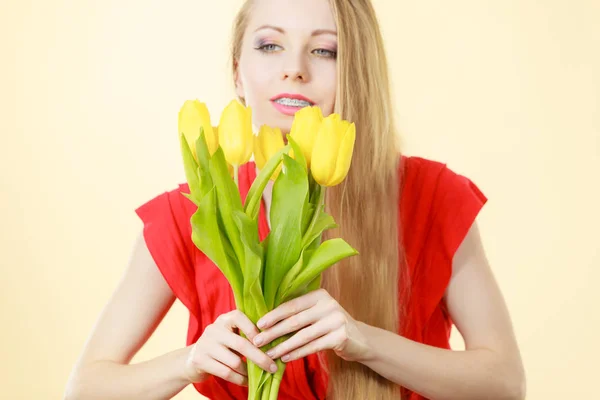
314 188
254 302
252 204
328 253
314 284
191 170
207 236
202 150
324 222
229 200
289 277
298 153
307 215
206 182
265 246
190 197
289 194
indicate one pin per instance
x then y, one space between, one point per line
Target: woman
381 320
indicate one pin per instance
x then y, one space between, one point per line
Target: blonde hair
366 204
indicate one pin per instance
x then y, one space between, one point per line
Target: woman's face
288 60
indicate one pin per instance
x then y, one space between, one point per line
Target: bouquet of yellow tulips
289 262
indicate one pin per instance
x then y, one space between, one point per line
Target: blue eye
267 48
326 53
271 47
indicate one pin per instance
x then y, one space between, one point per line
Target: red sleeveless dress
437 208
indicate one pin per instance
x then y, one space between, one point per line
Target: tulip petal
273 143
325 150
194 115
267 144
235 133
304 129
344 157
247 135
209 134
259 157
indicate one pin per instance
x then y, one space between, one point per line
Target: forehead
299 16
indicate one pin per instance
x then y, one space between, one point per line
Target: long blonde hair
366 204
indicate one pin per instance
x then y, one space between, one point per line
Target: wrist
189 373
368 352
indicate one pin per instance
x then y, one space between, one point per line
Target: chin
284 126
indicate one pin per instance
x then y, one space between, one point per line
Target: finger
215 368
288 309
320 344
227 357
300 339
237 353
246 348
237 319
288 325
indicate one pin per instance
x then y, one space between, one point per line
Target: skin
291 62
490 367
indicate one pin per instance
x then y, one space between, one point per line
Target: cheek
256 75
326 76
331 94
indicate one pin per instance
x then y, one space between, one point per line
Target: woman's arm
135 309
489 368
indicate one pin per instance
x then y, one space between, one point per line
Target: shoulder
169 207
165 220
437 206
424 173
167 233
429 184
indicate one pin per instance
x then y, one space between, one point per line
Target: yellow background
505 92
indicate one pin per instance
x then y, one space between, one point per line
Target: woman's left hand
321 323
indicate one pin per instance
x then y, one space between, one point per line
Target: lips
290 109
292 96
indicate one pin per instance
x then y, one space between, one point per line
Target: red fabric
437 208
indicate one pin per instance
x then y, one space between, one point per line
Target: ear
239 87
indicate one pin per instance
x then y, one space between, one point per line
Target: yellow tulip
332 152
193 115
304 129
235 133
268 142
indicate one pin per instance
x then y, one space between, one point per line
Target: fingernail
285 358
273 368
261 324
258 340
270 353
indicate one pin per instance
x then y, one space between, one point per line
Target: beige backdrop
505 92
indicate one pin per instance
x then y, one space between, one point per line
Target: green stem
276 380
266 389
271 387
315 216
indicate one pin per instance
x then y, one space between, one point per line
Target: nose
295 69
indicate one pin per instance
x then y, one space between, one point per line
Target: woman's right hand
218 351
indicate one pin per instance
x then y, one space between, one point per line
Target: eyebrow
314 33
